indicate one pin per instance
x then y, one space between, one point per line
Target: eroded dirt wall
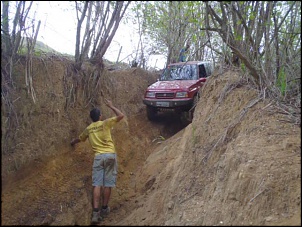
43 117
238 163
33 122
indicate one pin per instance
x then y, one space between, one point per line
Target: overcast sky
58 30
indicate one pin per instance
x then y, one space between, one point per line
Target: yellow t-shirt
99 134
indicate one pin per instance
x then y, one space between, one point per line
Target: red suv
177 88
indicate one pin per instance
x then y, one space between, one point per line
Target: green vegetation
281 81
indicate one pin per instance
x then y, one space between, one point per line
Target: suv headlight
181 94
150 94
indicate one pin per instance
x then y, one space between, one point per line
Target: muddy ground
237 163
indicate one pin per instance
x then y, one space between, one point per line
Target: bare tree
11 35
102 20
110 25
81 13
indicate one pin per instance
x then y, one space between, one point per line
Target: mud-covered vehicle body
177 88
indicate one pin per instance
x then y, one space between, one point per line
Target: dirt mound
237 163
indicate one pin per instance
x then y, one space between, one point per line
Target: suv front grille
165 95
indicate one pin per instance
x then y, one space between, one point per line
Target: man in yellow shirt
104 169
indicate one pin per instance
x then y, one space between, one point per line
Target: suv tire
151 113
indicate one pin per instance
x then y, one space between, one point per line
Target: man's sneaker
105 212
96 217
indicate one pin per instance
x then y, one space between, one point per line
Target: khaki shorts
104 170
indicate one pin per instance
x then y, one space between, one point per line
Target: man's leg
96 196
96 213
110 174
106 196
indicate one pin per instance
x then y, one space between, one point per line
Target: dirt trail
57 190
237 163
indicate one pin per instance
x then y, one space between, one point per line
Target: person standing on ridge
183 53
104 169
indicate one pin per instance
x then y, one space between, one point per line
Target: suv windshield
179 72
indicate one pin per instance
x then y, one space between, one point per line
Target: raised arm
117 112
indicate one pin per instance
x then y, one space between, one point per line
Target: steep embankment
238 163
41 118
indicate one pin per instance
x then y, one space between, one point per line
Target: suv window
209 68
202 71
179 72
